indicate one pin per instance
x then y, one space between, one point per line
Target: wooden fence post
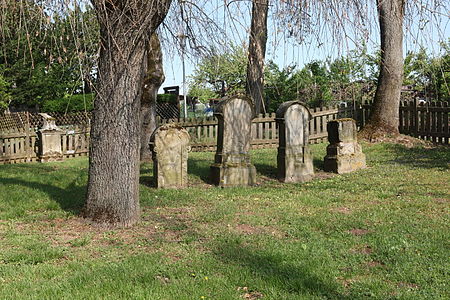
415 113
27 138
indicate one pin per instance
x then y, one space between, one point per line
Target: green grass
379 233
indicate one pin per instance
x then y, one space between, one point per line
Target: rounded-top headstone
289 105
170 147
235 115
293 118
232 165
294 158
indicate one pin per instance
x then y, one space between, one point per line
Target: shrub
69 103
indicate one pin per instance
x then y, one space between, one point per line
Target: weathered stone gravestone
49 140
232 165
344 154
170 147
294 158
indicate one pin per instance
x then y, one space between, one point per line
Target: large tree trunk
152 81
257 52
113 184
384 119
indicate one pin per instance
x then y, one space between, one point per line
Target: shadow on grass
266 170
438 157
200 168
277 273
146 174
70 198
318 164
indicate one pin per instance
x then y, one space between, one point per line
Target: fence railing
75 141
428 121
22 145
203 131
18 145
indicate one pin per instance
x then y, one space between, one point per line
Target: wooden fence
203 131
428 121
18 145
22 145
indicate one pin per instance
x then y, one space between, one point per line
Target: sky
284 51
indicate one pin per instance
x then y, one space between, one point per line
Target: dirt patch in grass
168 225
319 175
247 229
400 139
73 231
250 294
348 282
441 200
342 210
365 249
358 231
407 285
375 264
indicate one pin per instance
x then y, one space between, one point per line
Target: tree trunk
257 52
152 81
384 119
113 184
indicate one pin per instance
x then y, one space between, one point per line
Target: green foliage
280 85
5 96
229 67
317 83
167 98
203 94
430 75
69 103
44 58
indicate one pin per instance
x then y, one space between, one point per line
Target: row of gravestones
232 166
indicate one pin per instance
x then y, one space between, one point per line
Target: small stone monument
50 140
232 165
294 158
344 154
170 147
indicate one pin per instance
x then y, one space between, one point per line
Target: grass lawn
379 233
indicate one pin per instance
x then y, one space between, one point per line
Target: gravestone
170 147
232 165
294 157
49 140
344 154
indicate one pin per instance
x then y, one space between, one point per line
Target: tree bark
257 52
113 184
152 81
384 119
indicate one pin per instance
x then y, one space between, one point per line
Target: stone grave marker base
295 167
233 175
